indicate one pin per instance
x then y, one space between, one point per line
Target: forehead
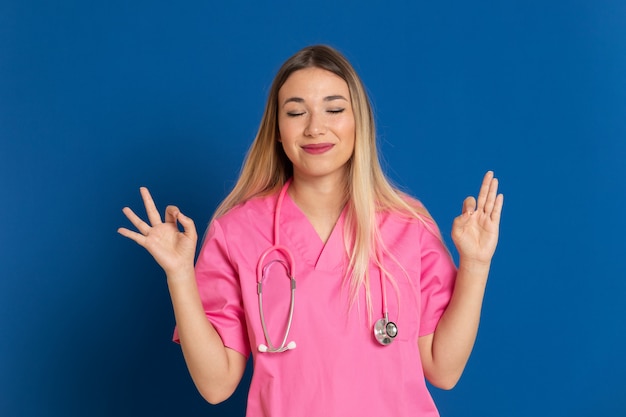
313 83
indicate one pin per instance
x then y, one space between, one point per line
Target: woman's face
316 123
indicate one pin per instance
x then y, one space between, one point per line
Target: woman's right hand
173 250
217 378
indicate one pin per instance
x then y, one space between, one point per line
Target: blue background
99 98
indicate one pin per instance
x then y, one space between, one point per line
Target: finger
151 210
469 205
136 237
496 213
188 226
491 196
142 226
171 212
484 190
173 215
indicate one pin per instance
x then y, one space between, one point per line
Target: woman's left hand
475 231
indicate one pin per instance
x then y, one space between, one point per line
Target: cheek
348 130
285 138
285 129
348 125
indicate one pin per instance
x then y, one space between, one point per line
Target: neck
322 201
319 196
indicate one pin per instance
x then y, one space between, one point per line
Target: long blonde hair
266 168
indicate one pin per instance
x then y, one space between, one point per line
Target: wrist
474 266
181 274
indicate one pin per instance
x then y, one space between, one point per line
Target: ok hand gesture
475 231
173 250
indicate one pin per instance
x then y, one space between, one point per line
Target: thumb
469 205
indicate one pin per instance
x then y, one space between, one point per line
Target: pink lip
317 148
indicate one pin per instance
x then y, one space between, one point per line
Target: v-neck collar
299 234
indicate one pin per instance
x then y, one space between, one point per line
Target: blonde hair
266 168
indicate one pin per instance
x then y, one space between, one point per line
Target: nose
315 125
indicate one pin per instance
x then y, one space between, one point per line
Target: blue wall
99 99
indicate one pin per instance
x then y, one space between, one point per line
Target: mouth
317 148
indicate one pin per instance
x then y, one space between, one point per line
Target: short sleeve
220 291
438 274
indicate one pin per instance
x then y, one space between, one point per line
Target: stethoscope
384 330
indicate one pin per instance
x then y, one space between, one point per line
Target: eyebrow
327 98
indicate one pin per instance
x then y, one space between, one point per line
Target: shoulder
413 225
394 224
240 228
412 214
249 210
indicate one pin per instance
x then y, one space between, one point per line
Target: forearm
454 338
215 370
475 234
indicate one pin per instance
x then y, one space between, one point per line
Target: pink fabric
337 368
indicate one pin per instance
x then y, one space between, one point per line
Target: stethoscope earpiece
263 348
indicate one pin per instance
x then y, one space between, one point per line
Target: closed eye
336 111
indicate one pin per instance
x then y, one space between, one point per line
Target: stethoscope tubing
289 264
262 268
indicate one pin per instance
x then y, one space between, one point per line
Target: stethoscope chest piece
385 331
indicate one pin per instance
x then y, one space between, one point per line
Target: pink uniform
337 368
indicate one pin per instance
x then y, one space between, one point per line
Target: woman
375 304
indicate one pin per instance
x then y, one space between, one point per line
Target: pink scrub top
337 368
